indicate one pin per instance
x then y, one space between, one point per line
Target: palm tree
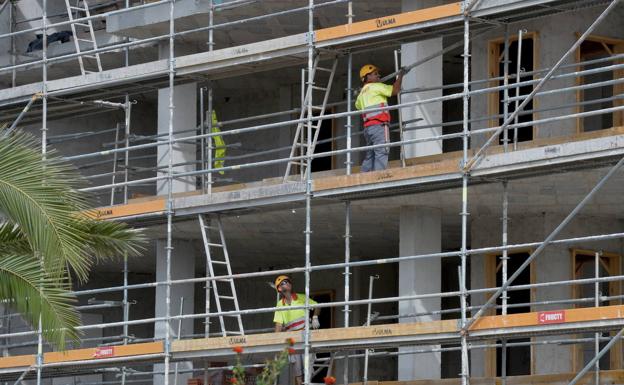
46 240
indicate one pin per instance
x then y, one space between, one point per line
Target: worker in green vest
287 319
218 144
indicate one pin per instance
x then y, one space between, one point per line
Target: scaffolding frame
468 164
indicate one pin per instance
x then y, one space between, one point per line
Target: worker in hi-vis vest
376 123
287 319
218 144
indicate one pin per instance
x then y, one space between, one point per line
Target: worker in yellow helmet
218 144
376 123
291 320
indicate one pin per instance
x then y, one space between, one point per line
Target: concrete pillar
184 118
182 266
426 75
420 233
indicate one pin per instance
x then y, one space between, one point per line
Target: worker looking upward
376 123
293 319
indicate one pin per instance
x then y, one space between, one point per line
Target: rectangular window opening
527 61
599 97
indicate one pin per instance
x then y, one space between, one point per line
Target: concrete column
182 266
426 75
184 118
420 233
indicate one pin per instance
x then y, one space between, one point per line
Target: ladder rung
77 8
90 56
228 280
319 88
83 24
220 262
325 69
211 228
214 244
317 107
226 297
87 40
232 332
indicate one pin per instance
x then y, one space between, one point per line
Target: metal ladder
300 139
219 285
322 363
71 9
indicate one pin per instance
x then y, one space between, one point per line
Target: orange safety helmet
367 69
280 279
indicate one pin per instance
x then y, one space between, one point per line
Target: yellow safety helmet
367 69
280 279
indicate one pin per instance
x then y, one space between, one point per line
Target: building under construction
489 251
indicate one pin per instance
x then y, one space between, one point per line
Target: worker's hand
315 322
403 71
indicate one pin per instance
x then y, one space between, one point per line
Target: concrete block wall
554 264
552 41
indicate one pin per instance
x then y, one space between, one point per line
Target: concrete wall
552 42
554 264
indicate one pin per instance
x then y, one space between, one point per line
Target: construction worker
376 124
218 144
290 320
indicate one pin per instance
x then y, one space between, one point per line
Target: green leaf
25 287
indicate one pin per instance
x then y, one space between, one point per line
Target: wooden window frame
491 268
495 56
618 116
614 267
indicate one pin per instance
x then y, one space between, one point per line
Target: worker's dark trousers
377 158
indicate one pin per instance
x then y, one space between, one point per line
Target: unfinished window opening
528 57
325 142
584 267
450 361
518 357
599 97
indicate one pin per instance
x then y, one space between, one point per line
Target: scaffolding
474 329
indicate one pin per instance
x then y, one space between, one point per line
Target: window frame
495 56
615 288
491 269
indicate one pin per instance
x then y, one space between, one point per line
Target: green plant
46 240
272 368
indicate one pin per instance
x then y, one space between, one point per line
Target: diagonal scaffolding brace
547 241
476 159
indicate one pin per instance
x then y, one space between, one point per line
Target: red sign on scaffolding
104 352
551 317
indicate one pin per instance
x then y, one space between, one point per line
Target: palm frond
39 196
25 287
12 240
105 240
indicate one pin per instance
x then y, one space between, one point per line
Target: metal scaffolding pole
597 257
210 99
169 210
476 158
308 194
597 358
465 371
504 256
347 236
548 240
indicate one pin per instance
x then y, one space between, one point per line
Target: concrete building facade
248 72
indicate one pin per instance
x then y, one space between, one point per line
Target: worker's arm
317 311
278 327
396 87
